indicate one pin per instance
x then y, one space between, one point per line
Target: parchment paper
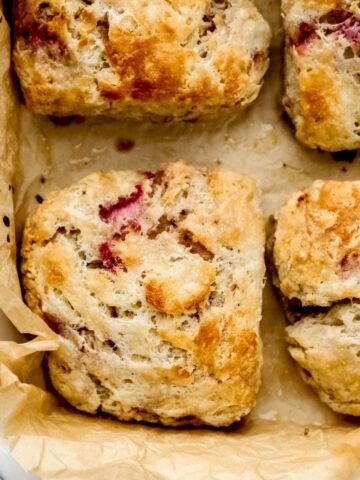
290 434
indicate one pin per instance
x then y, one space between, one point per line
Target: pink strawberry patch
109 260
123 214
123 208
343 22
351 30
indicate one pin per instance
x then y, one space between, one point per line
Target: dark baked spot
45 12
125 145
344 155
103 392
216 7
143 89
111 344
191 120
131 225
104 22
286 118
89 338
302 198
65 121
350 262
110 211
37 34
156 177
61 230
186 238
295 311
94 264
305 33
335 17
39 198
113 312
209 25
110 94
6 221
8 238
164 225
54 323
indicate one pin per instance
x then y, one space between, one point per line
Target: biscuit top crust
323 72
86 57
317 244
167 266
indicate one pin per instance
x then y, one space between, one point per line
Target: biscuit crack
186 238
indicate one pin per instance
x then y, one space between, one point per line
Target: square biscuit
173 59
322 75
153 282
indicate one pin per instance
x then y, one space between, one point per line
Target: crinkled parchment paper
290 434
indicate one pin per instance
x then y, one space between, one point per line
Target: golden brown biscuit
175 59
316 259
327 347
323 72
154 283
317 244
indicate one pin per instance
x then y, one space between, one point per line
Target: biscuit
327 347
315 254
159 59
153 282
322 79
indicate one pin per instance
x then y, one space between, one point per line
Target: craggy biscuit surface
323 72
174 59
154 283
327 347
317 244
316 257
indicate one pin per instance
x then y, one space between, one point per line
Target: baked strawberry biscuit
153 282
316 258
173 59
323 72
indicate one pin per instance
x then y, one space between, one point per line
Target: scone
315 253
154 283
322 55
164 58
